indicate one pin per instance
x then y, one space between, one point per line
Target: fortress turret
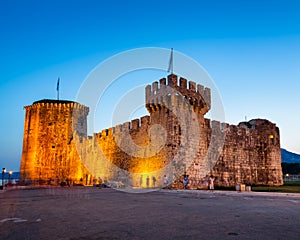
160 94
49 126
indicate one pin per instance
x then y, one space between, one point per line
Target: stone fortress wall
56 146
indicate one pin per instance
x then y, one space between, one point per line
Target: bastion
56 147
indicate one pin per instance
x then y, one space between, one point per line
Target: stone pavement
80 213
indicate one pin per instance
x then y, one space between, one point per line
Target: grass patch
288 187
295 183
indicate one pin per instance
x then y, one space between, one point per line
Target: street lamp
3 172
9 176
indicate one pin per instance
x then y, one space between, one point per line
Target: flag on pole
57 88
170 68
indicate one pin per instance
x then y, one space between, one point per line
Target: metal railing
291 178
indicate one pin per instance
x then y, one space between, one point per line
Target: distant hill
289 157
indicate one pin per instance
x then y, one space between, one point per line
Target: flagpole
57 88
172 61
170 69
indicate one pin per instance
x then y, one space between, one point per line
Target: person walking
165 180
147 181
185 181
211 182
153 181
141 181
205 183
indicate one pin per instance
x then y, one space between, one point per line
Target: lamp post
3 172
9 176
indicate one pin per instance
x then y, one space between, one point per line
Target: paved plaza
86 213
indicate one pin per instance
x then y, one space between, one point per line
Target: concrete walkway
80 213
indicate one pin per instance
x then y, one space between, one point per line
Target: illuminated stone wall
175 139
49 153
250 155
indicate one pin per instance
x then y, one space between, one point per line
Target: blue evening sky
251 49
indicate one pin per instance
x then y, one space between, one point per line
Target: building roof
53 101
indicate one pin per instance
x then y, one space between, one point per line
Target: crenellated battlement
57 104
195 94
133 125
265 128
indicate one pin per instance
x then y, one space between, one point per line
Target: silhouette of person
205 182
211 182
185 181
153 181
141 181
165 180
147 181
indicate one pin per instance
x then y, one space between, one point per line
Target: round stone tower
49 153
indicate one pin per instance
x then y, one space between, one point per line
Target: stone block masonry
175 135
49 154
